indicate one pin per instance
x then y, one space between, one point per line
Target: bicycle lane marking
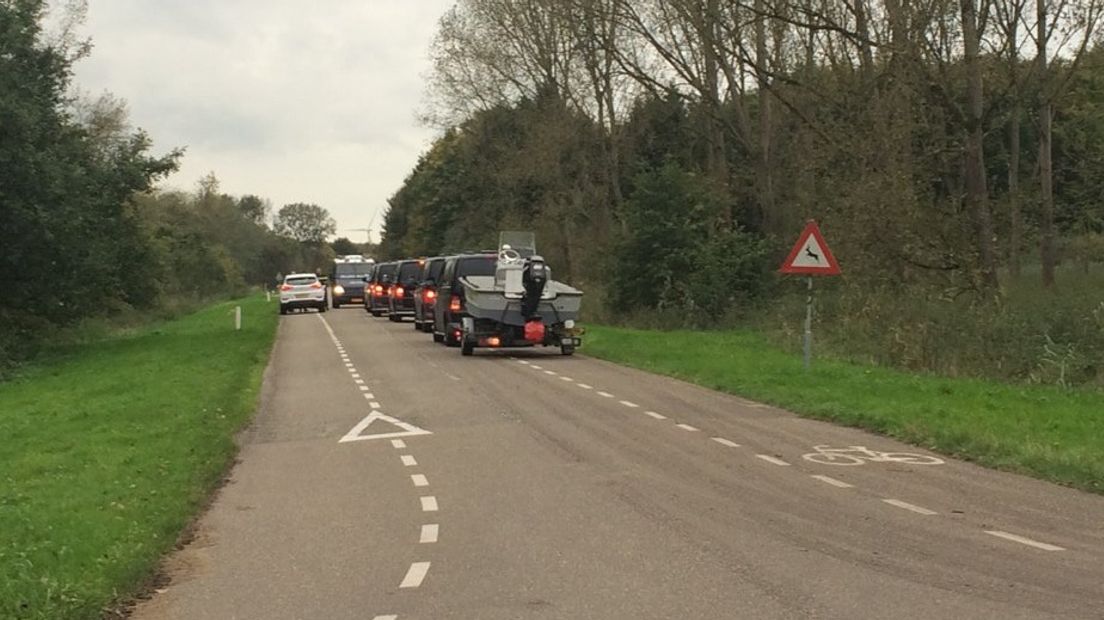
848 456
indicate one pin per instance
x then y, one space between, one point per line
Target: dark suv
426 293
448 308
347 282
379 288
400 302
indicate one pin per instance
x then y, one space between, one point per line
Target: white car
302 290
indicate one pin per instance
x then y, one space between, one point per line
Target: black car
448 307
379 288
400 302
425 295
347 281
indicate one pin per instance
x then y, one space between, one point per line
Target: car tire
283 309
336 304
323 307
467 347
375 313
438 337
393 318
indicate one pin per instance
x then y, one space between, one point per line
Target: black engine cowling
534 277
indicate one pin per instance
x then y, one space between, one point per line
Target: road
531 485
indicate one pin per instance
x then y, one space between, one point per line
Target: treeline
945 140
83 232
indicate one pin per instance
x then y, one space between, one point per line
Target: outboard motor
533 277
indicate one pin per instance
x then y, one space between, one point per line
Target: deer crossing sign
811 256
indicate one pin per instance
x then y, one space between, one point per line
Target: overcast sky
295 101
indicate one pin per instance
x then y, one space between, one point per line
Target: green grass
1044 431
110 447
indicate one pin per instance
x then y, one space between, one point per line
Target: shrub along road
109 450
575 488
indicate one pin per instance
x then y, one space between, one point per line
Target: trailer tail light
534 331
455 304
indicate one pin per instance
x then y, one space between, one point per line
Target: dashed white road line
523 362
429 503
770 459
374 405
408 460
398 444
392 617
535 367
349 365
415 575
1024 541
419 480
832 481
356 375
363 388
549 372
907 506
584 386
655 415
725 442
605 394
358 381
429 533
369 396
686 427
566 379
630 404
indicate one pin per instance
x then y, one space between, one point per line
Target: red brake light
429 294
316 285
285 287
454 304
397 291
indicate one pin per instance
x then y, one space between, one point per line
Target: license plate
571 342
302 295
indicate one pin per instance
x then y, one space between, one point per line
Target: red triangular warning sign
811 256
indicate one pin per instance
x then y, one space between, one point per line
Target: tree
343 245
254 209
305 223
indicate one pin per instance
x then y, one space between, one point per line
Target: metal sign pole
809 324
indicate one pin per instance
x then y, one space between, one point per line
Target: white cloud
291 100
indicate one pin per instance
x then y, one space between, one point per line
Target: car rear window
409 271
352 270
476 266
385 270
434 269
301 281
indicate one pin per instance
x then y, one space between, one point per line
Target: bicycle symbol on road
858 455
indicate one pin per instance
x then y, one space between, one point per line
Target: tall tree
305 223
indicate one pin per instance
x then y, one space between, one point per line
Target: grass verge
1047 432
110 447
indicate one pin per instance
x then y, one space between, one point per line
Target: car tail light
494 341
455 304
285 287
378 290
316 285
429 294
397 292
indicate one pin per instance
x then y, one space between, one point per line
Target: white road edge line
408 460
655 415
398 444
686 427
523 362
770 459
1024 541
535 367
725 442
630 404
429 503
415 575
419 480
832 481
429 533
907 506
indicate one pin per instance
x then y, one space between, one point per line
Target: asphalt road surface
387 476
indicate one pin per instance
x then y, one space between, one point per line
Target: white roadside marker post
810 257
268 295
237 318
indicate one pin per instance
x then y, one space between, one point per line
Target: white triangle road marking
408 430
